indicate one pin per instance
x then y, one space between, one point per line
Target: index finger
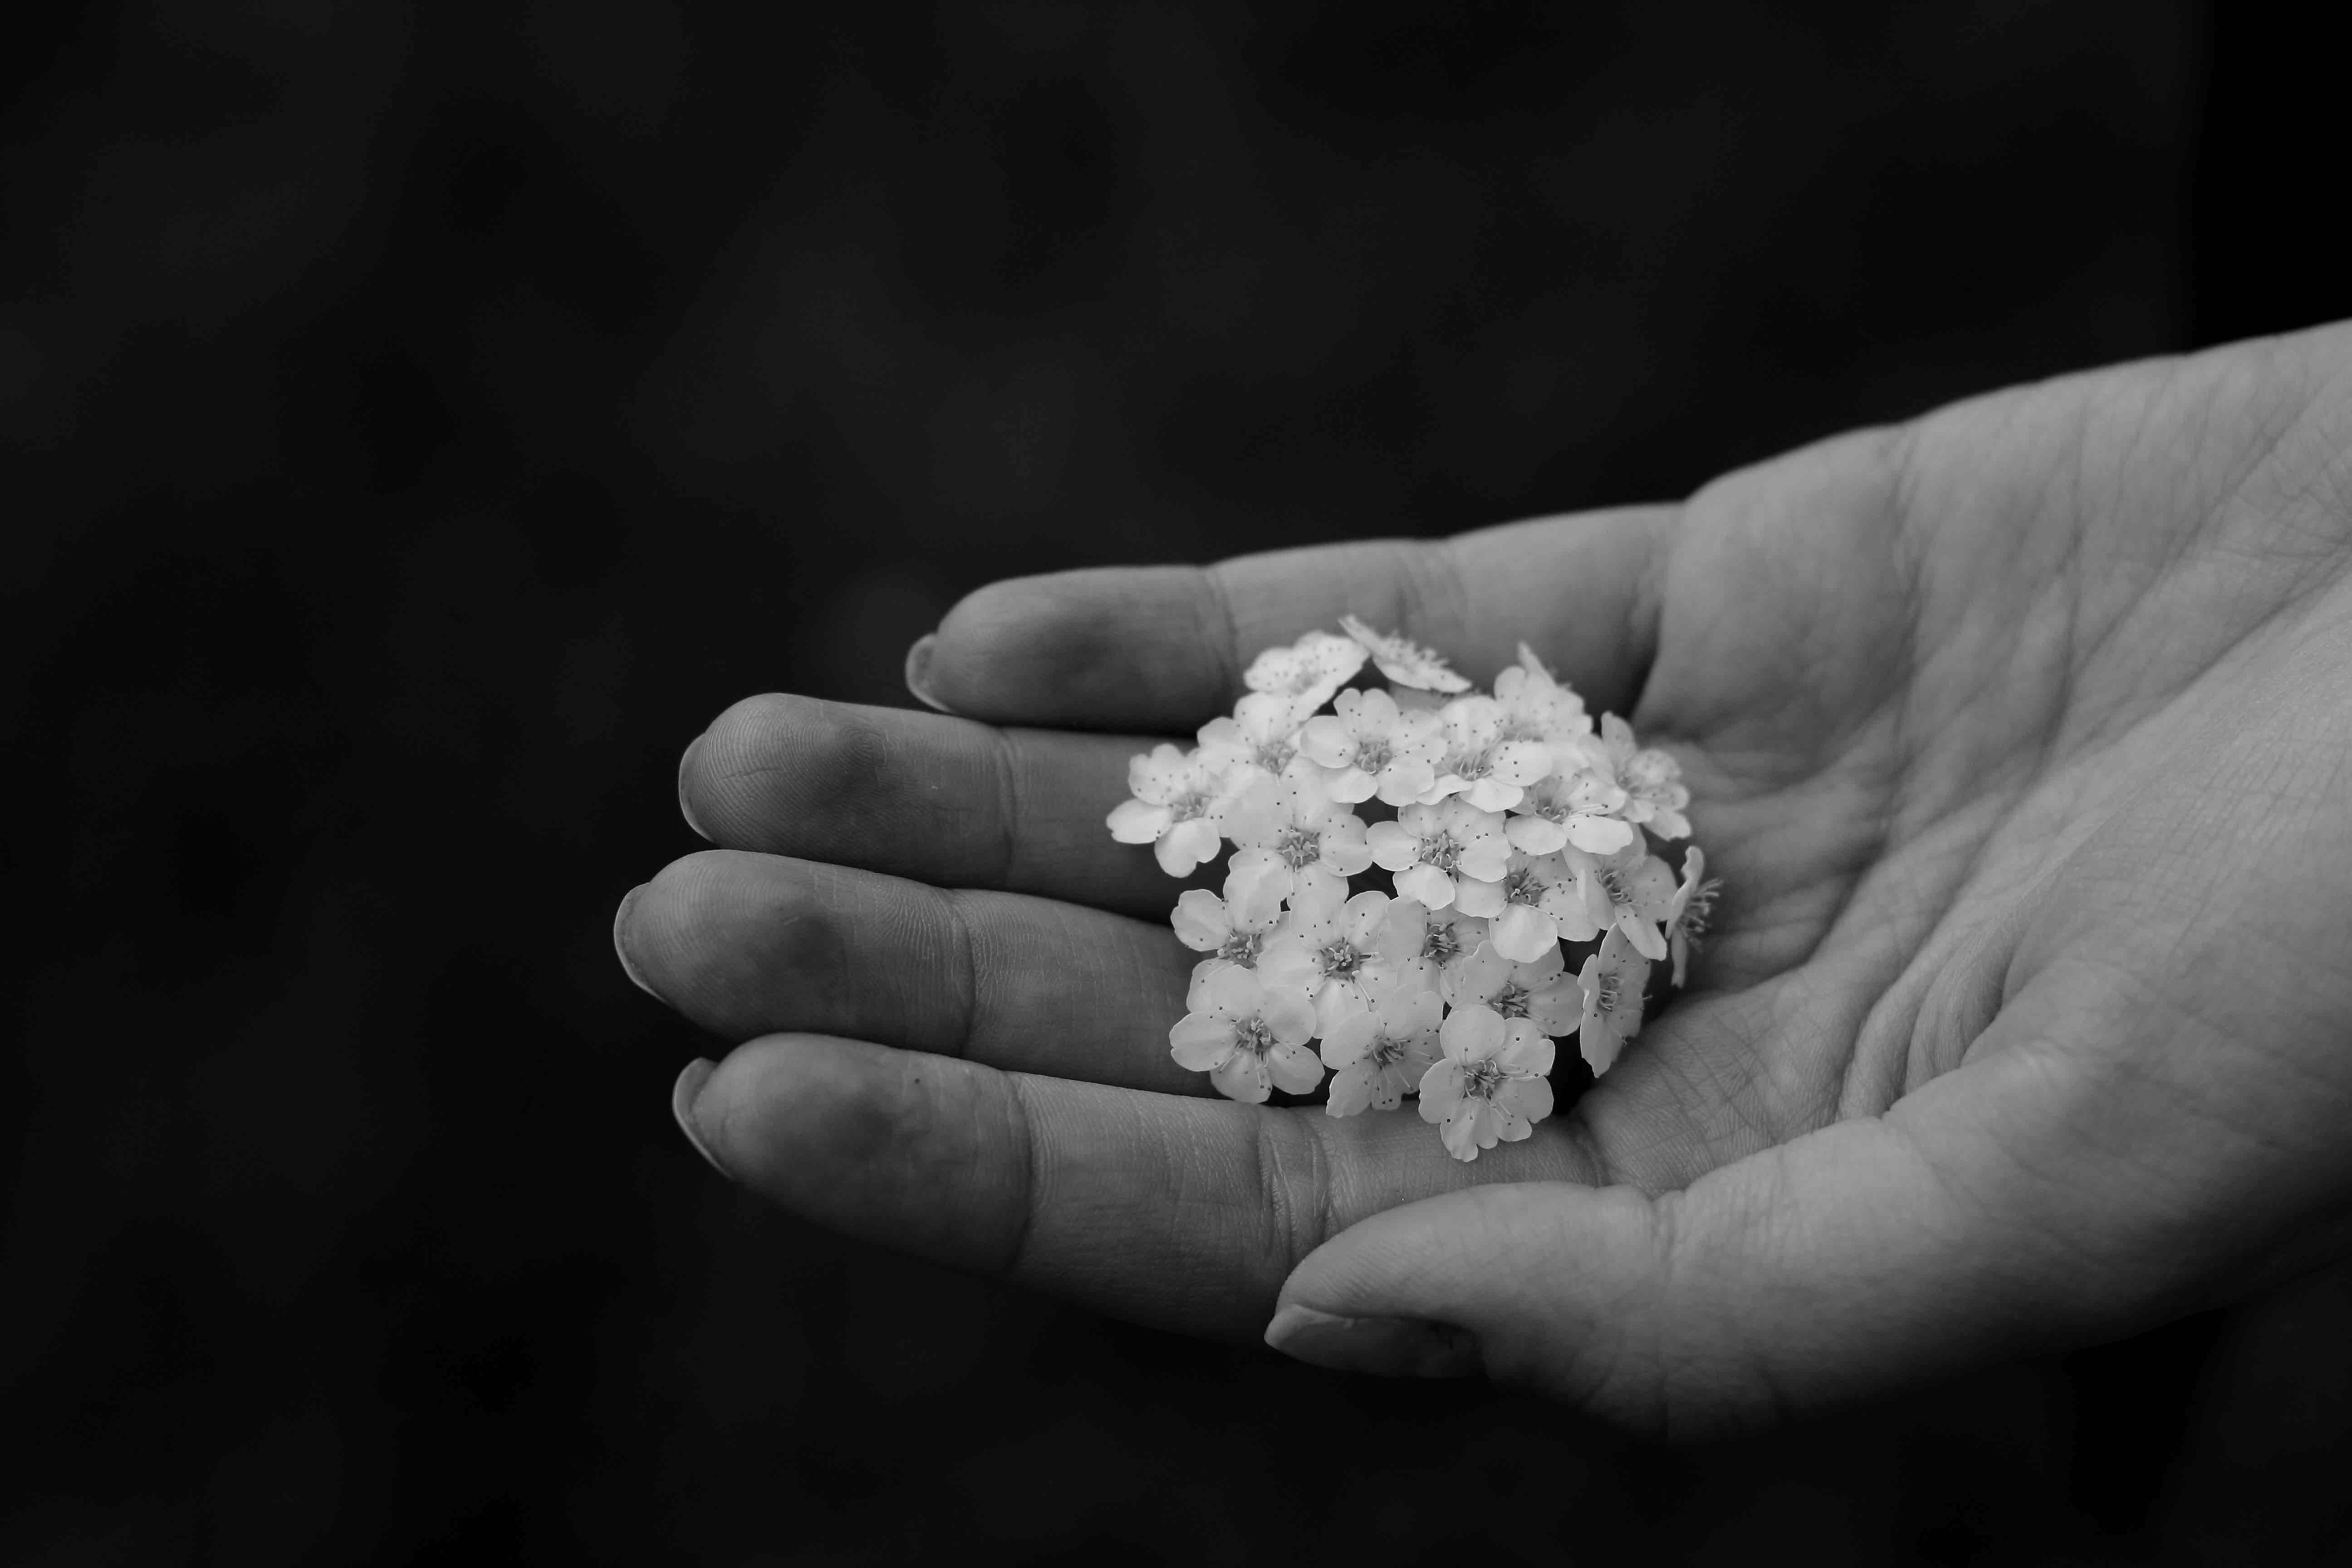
1163 647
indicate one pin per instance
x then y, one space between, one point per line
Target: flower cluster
1512 826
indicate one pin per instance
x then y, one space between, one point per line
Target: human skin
2019 735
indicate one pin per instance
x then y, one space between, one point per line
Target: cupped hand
2020 737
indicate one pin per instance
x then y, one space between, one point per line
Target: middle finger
954 802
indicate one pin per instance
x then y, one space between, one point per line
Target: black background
419 421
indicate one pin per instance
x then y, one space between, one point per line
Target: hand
2020 737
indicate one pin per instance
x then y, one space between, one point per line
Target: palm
2012 733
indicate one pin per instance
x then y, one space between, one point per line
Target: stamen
1441 852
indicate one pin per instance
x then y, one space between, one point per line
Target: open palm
2020 737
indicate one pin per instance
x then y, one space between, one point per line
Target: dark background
418 421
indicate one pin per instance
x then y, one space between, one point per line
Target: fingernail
681 1105
919 671
684 808
620 949
1386 1347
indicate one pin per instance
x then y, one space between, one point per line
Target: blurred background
416 421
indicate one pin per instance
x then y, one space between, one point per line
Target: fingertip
621 946
1111 646
685 801
683 1096
919 672
1384 1347
734 941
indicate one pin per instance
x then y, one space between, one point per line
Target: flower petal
1348 1043
1524 932
1535 835
1289 1019
1200 1041
1242 1077
1475 897
1138 822
1441 1090
1557 1006
1472 1033
1428 885
1644 936
1599 834
1294 1069
1201 921
1188 845
1529 1098
1465 1132
1351 1090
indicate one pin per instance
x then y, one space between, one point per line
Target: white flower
1295 838
1260 741
1372 747
1247 1036
1570 807
1480 764
1687 917
1435 942
1536 997
1543 905
1233 931
1630 890
1174 797
1655 793
1490 1087
1612 981
1382 1054
1308 671
1535 706
1336 954
1406 663
1448 854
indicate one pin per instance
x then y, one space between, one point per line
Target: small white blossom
1570 807
1452 854
1436 942
1543 905
1404 662
1536 997
1490 1088
1372 747
1612 982
1308 671
1381 1055
1233 931
1175 797
1336 954
1294 837
1687 917
1655 793
1259 742
1535 706
1480 764
1246 1037
1630 890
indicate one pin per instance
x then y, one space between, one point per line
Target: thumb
1846 1262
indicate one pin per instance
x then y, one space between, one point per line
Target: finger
947 801
1164 647
1184 1214
750 944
